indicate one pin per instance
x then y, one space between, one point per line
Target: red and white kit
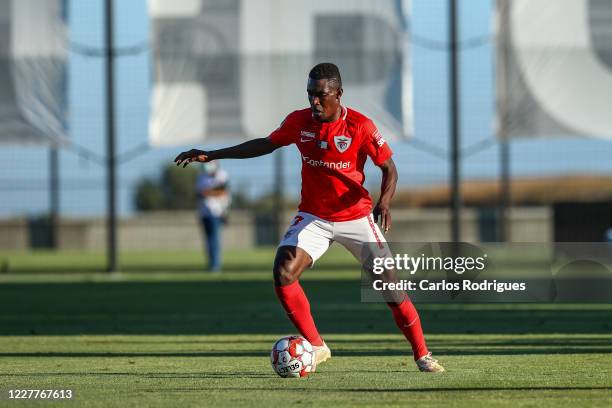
335 206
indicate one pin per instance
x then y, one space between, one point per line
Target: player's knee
284 275
289 264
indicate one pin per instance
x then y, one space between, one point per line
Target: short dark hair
326 70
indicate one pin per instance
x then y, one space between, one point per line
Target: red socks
296 305
407 319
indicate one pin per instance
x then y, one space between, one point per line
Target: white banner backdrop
234 69
33 55
554 68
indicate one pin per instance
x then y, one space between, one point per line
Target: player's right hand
193 155
383 213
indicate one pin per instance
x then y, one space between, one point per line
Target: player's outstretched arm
387 189
246 150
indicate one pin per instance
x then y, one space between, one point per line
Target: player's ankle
420 351
318 342
421 355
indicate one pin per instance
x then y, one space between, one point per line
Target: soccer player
334 142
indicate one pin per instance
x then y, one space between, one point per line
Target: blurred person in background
213 202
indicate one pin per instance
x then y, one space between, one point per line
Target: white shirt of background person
212 177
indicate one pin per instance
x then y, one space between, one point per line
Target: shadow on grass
477 389
372 352
389 390
194 267
249 307
270 375
157 267
194 375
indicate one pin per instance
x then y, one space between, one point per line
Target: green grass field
162 333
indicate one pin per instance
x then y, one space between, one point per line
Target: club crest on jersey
342 143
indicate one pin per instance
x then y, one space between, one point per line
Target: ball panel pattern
292 357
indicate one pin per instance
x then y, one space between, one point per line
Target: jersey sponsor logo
330 165
342 143
379 139
306 136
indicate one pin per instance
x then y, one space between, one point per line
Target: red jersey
333 156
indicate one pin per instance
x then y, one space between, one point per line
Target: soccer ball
292 357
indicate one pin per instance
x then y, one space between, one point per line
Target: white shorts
361 237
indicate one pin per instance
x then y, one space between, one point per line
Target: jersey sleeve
286 133
373 143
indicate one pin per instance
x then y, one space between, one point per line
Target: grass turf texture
162 333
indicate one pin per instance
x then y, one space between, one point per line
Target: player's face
324 97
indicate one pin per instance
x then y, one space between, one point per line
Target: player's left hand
382 212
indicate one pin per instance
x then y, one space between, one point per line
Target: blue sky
23 180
